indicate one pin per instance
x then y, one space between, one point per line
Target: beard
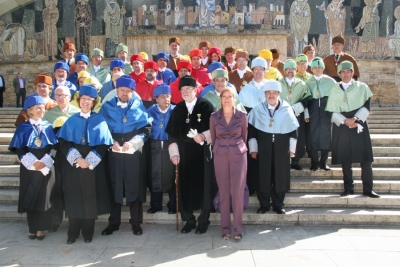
150 77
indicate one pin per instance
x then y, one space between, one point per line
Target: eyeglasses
61 96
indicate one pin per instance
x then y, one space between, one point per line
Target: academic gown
146 92
167 76
348 146
36 189
201 76
176 95
238 82
128 171
160 170
282 135
331 66
86 191
138 78
195 181
102 75
72 88
23 116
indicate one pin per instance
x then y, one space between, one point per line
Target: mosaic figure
206 15
335 16
83 24
114 25
300 21
394 40
50 18
15 33
370 23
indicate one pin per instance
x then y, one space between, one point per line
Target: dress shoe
152 211
296 167
201 229
262 210
280 211
347 192
71 241
32 237
109 230
371 194
171 211
188 228
313 168
87 240
137 230
53 229
40 237
325 167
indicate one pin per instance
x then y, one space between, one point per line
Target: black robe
195 167
253 172
85 191
348 146
319 130
282 160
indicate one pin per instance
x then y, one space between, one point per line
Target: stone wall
383 78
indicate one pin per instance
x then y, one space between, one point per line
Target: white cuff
93 158
45 171
208 136
47 160
137 142
298 108
306 114
337 118
362 114
292 144
173 150
253 145
28 160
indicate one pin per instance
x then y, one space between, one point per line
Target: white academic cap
258 62
272 85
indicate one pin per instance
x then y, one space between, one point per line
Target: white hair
64 88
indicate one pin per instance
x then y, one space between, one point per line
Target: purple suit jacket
228 138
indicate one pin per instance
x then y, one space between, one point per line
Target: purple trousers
230 172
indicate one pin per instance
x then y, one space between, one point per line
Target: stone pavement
262 245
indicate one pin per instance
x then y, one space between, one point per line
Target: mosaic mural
37 31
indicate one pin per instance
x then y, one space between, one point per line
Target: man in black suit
19 84
2 90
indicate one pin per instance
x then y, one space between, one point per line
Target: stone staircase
314 196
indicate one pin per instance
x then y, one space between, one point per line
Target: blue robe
71 86
168 76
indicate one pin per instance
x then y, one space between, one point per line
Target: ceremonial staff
177 202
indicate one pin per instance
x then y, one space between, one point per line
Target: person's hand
354 125
307 120
126 146
82 163
253 155
199 138
116 146
291 154
349 122
39 165
175 160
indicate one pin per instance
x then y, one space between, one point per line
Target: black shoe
347 192
32 237
88 240
201 229
70 241
53 229
152 211
171 211
371 194
280 211
325 167
40 237
262 210
296 167
109 230
188 228
313 168
137 230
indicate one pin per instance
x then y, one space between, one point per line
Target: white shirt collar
122 104
61 83
272 107
241 73
161 70
34 122
217 93
289 81
65 109
260 84
346 85
96 69
232 65
309 63
163 111
318 77
204 60
85 115
190 105
46 99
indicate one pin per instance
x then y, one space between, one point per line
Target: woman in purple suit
228 128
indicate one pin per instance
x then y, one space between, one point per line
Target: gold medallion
38 142
289 96
317 93
83 139
124 120
345 99
270 125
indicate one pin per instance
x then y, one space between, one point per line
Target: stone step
7 120
383 121
336 172
378 126
8 159
378 162
384 131
10 111
386 151
8 130
4 149
11 181
309 216
6 125
9 170
391 108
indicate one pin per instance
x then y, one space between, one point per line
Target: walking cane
177 202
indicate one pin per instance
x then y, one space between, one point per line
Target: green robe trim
299 91
321 88
54 113
103 74
128 68
345 101
216 101
304 77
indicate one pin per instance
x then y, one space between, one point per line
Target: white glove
192 133
359 128
45 171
